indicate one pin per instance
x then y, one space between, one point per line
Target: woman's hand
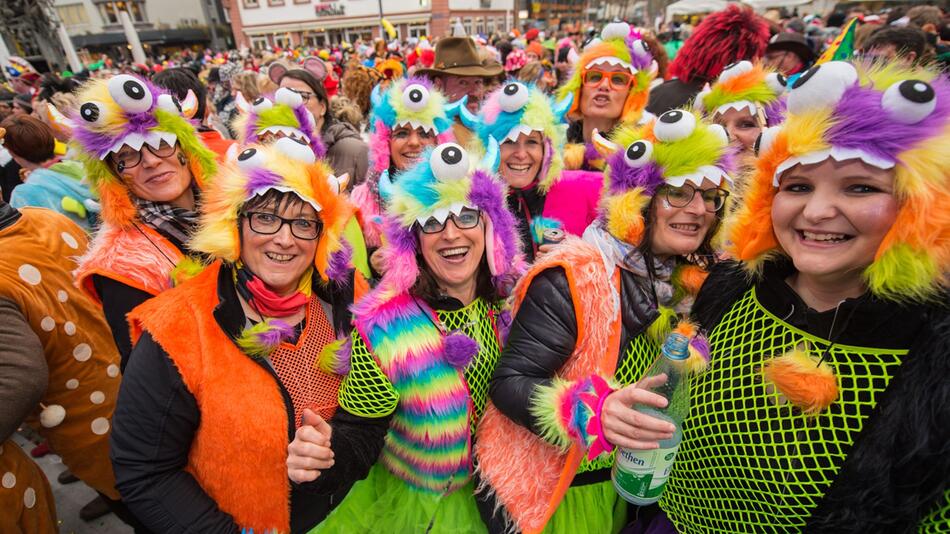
626 427
310 451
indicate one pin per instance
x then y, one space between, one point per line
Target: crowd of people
416 286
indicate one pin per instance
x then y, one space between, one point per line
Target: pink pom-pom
459 349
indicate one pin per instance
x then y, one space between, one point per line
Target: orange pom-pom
800 378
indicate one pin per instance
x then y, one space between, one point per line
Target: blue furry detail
442 124
418 180
384 112
540 224
502 125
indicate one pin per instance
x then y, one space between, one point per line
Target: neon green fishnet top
367 392
750 462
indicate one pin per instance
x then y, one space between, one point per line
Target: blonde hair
246 82
344 110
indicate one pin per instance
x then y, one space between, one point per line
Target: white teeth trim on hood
710 172
836 153
286 130
136 140
284 189
610 60
416 125
441 214
739 105
516 132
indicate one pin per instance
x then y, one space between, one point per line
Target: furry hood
282 115
744 86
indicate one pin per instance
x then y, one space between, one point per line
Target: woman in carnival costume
285 114
610 86
425 345
745 99
530 128
148 166
408 118
828 378
224 369
594 312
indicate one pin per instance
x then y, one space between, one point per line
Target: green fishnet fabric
641 353
749 462
365 390
939 520
477 322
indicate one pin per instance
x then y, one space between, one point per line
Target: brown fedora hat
456 56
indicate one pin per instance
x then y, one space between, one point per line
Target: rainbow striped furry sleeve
568 412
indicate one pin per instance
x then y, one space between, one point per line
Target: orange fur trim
506 450
810 386
691 278
239 452
116 203
574 156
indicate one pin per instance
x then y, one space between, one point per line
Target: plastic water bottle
640 476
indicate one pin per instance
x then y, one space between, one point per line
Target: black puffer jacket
544 332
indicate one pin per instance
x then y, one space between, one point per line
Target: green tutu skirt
589 509
384 503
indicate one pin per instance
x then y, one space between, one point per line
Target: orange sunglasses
618 80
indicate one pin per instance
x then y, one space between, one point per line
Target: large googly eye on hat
130 93
287 97
513 97
449 162
735 69
776 82
720 132
251 158
638 154
642 49
821 86
615 30
415 97
909 101
94 113
765 140
297 149
674 125
169 103
262 104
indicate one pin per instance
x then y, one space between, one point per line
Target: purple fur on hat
775 112
639 63
488 195
98 142
309 129
339 268
260 179
861 122
459 349
624 178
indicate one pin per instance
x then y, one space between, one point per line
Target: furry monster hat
286 115
127 110
744 86
618 46
515 109
889 117
673 149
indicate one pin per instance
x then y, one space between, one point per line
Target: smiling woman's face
156 178
406 145
521 160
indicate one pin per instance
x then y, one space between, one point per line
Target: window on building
110 11
418 30
275 2
485 4
259 42
73 14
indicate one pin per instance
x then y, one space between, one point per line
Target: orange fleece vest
135 255
506 451
239 451
39 253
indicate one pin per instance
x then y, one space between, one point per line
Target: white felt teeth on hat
135 141
417 125
734 70
441 214
709 172
517 131
610 61
287 131
838 154
739 105
285 189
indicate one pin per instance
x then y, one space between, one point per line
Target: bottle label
643 474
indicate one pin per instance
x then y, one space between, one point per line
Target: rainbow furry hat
128 110
744 86
288 166
412 102
889 117
675 148
515 109
442 183
618 45
284 115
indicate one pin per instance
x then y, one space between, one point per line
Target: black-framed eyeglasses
127 157
466 219
714 198
265 223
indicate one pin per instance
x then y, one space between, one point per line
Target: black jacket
899 467
544 332
156 419
527 205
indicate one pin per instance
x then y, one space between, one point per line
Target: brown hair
246 82
29 138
